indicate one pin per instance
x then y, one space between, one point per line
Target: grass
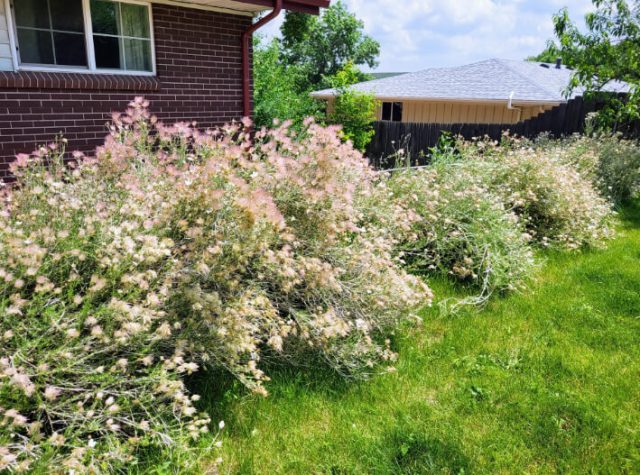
543 382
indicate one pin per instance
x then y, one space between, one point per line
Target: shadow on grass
630 215
220 390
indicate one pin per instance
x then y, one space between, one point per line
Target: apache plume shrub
558 206
173 249
461 230
609 161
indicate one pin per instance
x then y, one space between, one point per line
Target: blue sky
419 34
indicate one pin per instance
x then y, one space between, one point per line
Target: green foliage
550 55
538 382
610 162
461 229
354 111
322 46
608 50
277 88
480 204
316 52
558 206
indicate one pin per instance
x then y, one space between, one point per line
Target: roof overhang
517 102
252 7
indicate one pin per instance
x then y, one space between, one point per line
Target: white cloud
417 34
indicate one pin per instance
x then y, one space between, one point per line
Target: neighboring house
66 65
495 91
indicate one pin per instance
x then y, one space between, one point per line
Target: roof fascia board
254 6
302 6
532 102
208 8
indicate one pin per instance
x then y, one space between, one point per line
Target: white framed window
97 36
392 111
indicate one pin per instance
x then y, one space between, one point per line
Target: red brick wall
199 77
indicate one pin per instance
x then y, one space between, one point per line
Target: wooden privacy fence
415 139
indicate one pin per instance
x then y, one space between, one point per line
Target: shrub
173 249
355 111
461 229
609 161
278 94
558 206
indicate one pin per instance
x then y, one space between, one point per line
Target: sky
421 34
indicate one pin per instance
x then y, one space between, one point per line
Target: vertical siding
459 112
6 60
463 113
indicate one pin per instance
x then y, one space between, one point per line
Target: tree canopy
324 45
313 53
609 49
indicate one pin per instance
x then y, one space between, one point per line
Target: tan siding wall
6 61
459 112
464 113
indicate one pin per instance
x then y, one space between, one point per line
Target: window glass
69 49
66 15
51 32
121 35
397 112
104 17
135 20
386 110
107 49
32 14
137 55
35 46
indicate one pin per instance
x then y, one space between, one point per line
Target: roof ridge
504 62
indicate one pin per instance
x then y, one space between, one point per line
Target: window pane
67 15
397 112
35 46
386 111
104 17
138 55
135 20
107 52
70 49
32 13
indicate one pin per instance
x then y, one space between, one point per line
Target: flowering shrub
169 250
557 204
462 229
609 161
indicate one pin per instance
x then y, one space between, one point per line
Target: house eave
249 7
524 102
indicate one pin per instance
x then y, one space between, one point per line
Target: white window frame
91 57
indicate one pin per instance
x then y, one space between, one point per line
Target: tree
608 50
550 55
276 91
322 46
354 110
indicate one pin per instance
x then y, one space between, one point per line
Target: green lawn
543 382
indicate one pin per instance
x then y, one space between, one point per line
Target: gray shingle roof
490 80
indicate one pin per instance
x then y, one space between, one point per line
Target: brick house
66 65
